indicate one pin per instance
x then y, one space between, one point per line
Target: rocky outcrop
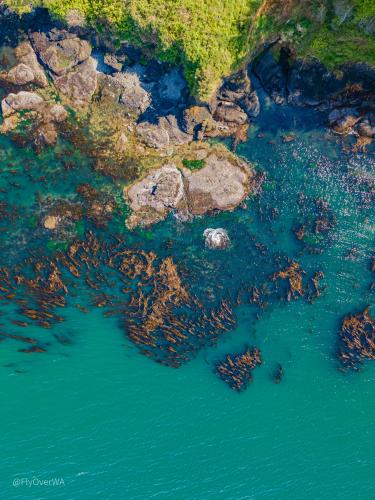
60 51
20 102
343 120
307 82
163 134
67 59
155 196
229 113
26 69
272 76
237 91
79 85
196 120
366 127
222 184
45 118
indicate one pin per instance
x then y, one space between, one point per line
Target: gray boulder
163 134
231 113
126 88
219 185
27 69
20 102
79 85
133 95
154 196
60 51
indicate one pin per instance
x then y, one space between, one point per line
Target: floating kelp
357 339
161 316
314 288
236 370
293 275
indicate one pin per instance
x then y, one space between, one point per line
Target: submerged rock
51 222
46 135
357 339
216 238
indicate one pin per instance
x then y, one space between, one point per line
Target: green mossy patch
193 164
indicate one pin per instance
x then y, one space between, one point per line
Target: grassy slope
210 38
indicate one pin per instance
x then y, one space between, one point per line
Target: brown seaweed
237 370
357 339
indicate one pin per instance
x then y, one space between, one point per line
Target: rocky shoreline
141 123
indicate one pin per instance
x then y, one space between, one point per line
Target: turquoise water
113 424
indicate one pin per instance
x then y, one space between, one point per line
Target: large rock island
221 184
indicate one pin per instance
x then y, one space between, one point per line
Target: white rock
216 238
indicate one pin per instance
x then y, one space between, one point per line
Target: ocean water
112 423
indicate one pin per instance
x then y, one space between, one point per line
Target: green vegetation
211 38
207 37
346 45
335 32
193 164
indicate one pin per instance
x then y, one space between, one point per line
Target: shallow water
114 424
